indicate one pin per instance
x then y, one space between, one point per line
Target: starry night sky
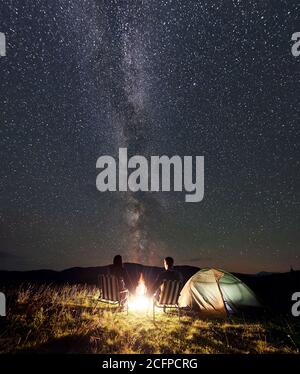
216 78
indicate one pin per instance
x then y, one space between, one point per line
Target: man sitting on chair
168 274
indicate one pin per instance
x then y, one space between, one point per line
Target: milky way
83 78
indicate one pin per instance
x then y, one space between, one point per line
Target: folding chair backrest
110 288
170 292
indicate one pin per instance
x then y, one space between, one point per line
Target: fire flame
140 301
141 287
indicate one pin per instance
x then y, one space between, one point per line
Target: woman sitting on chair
118 271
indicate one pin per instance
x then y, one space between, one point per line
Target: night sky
211 78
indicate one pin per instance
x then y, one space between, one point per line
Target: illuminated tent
217 292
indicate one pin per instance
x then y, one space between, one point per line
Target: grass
69 319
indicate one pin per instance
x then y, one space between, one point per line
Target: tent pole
226 311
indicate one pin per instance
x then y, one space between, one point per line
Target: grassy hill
69 319
273 289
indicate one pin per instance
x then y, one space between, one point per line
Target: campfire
140 301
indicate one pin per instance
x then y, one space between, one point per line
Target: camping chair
110 290
168 298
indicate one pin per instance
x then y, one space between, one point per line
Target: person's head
168 263
118 261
